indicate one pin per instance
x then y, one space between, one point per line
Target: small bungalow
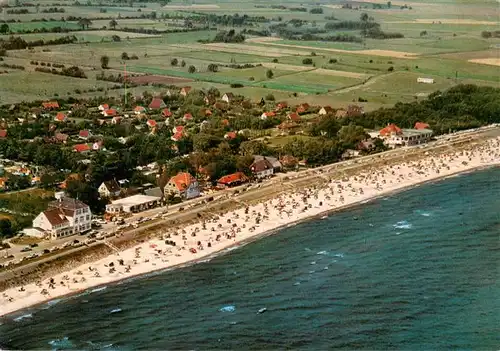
276 164
228 97
3 133
103 107
116 120
231 180
267 115
185 91
166 113
109 112
421 125
281 105
151 123
187 117
177 136
302 108
84 134
139 110
325 110
230 135
61 117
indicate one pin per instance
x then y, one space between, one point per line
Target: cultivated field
443 40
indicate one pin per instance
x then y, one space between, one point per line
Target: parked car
26 249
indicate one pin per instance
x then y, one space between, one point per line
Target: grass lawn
48 25
223 57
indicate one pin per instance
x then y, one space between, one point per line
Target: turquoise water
419 270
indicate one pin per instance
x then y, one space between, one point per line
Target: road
241 194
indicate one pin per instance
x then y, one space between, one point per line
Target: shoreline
32 302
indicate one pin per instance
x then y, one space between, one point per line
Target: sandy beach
178 246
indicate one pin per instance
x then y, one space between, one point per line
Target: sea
416 270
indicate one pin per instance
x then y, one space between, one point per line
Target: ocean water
418 270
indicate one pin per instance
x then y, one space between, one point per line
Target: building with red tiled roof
50 105
177 136
84 134
109 112
139 110
183 185
166 112
103 107
82 148
187 117
421 125
281 105
390 129
267 115
3 133
230 180
230 135
293 116
61 117
157 103
178 129
302 108
225 122
116 120
151 123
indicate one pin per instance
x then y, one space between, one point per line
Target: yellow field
487 61
447 21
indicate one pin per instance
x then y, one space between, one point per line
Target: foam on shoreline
235 229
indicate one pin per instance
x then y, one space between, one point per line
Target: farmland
436 43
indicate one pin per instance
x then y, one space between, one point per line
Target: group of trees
228 37
493 34
18 43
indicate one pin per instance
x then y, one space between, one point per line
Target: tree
4 28
183 63
213 67
125 56
113 23
364 17
192 69
104 62
389 4
5 228
84 22
269 74
174 62
423 33
351 135
327 126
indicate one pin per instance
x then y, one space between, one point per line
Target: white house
393 136
133 204
64 217
425 80
228 97
183 185
109 188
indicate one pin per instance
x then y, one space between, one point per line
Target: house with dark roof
64 217
262 168
185 91
228 97
109 188
183 185
325 110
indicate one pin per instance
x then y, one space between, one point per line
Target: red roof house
177 136
390 129
82 148
266 115
225 122
421 125
157 103
151 123
3 133
166 112
325 110
282 105
178 129
61 117
84 134
230 135
302 108
187 117
103 107
293 116
232 180
49 105
139 110
116 120
109 112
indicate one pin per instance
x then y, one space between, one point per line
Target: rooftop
135 200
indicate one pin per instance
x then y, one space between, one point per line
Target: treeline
226 37
228 20
18 43
156 31
73 71
351 25
54 10
487 34
311 34
461 107
6 65
17 12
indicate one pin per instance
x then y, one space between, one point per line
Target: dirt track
487 61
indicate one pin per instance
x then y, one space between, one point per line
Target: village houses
182 185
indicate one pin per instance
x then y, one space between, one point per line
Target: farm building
425 80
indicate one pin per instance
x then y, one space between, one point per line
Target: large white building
394 136
64 217
134 203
